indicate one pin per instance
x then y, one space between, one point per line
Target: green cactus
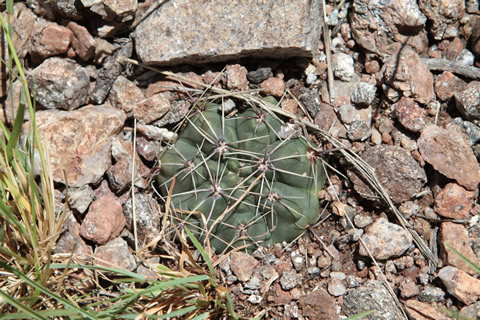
238 183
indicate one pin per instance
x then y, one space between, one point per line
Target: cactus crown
237 182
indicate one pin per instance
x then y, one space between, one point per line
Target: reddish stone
417 310
318 304
49 39
456 236
242 265
407 73
449 153
152 108
372 66
454 202
236 77
79 142
289 105
124 95
410 115
396 169
453 49
460 285
273 86
83 43
104 221
446 84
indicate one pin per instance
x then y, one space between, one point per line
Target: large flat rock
184 31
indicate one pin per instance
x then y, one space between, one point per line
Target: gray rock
80 199
218 31
384 240
359 131
336 287
342 65
311 101
468 100
371 296
147 216
364 94
466 57
259 75
444 15
298 260
60 84
471 130
431 294
123 10
384 26
289 280
115 254
71 9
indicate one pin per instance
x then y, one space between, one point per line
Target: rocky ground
406 98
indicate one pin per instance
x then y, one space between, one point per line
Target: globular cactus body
237 182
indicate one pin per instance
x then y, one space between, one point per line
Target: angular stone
236 77
319 304
383 27
417 310
410 115
71 9
456 236
242 265
124 95
460 285
446 84
407 73
384 240
364 94
445 16
79 141
123 10
60 84
235 30
104 221
70 242
273 86
449 153
396 169
342 65
23 23
454 202
49 39
120 175
151 109
147 217
80 198
82 42
115 254
259 75
149 150
468 100
372 296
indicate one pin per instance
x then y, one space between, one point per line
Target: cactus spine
238 183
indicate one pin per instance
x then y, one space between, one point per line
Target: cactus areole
237 182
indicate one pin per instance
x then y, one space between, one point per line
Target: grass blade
26 309
46 291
